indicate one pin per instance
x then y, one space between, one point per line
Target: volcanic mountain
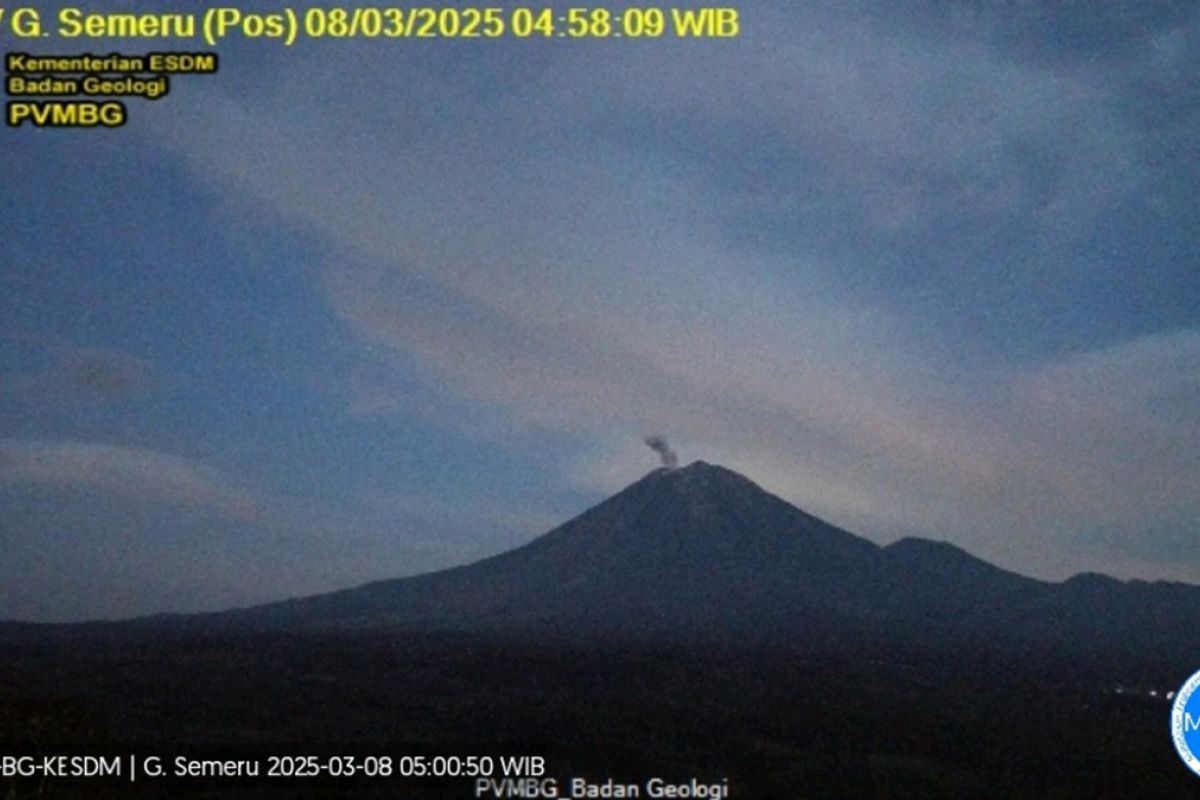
701 551
688 549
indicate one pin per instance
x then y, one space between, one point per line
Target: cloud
102 373
94 373
1116 429
900 128
127 472
131 531
1152 381
592 262
78 375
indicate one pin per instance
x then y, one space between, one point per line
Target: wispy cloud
84 374
133 473
1117 430
685 257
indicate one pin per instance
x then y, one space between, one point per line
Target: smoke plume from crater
659 445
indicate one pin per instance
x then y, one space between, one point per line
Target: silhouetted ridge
701 551
692 548
1094 581
924 555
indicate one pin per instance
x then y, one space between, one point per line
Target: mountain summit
695 548
701 551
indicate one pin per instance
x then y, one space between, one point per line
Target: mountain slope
703 551
695 548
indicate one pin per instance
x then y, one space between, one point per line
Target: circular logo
1185 723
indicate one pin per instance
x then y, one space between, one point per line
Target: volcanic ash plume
659 445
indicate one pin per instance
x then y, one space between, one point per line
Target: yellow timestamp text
288 24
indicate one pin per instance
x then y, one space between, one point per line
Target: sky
354 310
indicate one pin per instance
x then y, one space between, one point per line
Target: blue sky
354 310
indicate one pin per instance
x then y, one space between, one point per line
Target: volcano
694 549
703 552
